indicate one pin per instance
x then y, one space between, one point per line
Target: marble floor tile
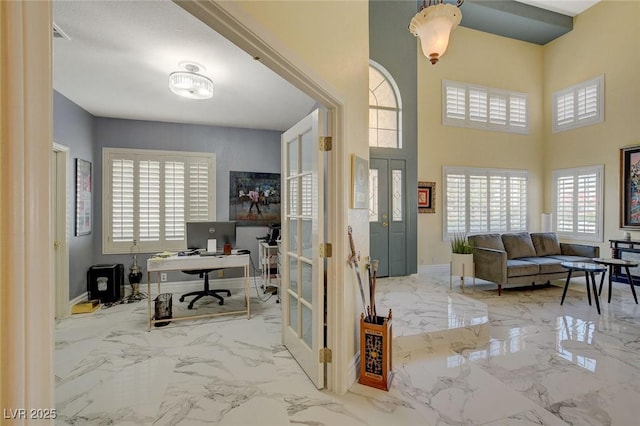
461 357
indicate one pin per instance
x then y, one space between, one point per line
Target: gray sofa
516 259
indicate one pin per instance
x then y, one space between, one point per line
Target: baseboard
82 298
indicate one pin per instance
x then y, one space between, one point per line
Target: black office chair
207 291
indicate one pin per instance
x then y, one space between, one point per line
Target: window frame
139 155
577 122
468 171
576 172
470 118
398 108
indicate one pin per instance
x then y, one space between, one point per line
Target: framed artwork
426 197
630 187
83 197
254 198
359 182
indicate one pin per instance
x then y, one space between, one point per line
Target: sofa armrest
490 264
579 250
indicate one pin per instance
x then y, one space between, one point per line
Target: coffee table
589 270
623 263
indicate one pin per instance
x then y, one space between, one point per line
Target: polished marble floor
460 358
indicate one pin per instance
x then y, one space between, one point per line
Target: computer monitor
199 233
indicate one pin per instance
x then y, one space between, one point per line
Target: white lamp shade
433 25
190 85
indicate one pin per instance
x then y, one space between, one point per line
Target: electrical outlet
163 276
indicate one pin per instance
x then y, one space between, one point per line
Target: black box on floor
106 282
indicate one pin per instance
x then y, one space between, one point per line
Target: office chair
206 291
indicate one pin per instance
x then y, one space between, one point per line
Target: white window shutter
518 111
198 190
497 199
478 206
174 200
477 105
498 110
455 102
587 102
518 203
587 204
122 196
565 205
149 200
455 203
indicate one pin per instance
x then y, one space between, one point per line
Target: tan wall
493 61
329 40
604 41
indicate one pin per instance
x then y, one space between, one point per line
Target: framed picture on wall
630 187
83 197
254 198
426 197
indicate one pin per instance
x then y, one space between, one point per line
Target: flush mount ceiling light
190 84
433 24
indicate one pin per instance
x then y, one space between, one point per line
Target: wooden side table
623 263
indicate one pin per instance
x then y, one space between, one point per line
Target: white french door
302 285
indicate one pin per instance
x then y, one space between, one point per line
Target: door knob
385 224
56 244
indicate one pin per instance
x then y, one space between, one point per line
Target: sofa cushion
491 241
546 243
518 245
547 265
568 258
519 268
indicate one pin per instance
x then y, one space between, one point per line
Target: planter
461 266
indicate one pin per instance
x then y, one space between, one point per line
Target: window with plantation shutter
484 200
578 209
465 105
579 105
148 196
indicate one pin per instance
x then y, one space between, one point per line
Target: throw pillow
546 243
518 245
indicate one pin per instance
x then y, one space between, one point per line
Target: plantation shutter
564 204
122 196
149 200
565 109
477 105
498 110
455 102
587 102
456 203
485 200
587 204
198 190
579 105
517 111
174 200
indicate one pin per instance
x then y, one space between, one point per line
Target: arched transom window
384 109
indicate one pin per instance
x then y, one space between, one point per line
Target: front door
302 283
387 216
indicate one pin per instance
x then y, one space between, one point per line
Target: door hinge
325 143
325 250
325 355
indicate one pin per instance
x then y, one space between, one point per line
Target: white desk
186 263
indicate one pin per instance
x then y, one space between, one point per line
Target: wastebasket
163 309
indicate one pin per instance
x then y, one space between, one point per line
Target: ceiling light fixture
190 84
433 23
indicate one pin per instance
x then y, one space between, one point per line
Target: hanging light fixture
433 24
190 84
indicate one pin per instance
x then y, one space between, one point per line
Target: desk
589 270
186 263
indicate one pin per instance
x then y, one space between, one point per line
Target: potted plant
461 257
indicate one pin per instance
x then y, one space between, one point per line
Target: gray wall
395 49
73 128
86 135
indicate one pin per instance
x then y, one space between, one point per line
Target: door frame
60 263
220 18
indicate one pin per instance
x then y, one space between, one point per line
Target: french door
302 286
387 216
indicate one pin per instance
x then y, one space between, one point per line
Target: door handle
385 224
56 244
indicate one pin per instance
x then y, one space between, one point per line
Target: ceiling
117 55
